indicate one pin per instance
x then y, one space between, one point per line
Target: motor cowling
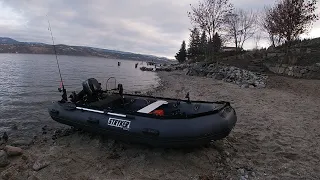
91 86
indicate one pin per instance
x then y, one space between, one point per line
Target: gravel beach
276 137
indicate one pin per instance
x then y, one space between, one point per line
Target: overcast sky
144 26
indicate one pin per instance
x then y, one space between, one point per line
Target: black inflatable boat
156 121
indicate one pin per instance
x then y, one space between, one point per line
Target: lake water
29 83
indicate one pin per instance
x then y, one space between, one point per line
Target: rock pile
180 66
231 74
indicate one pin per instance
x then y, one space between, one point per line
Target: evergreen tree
216 43
213 46
182 54
203 44
194 44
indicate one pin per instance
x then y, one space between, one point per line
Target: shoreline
82 56
275 137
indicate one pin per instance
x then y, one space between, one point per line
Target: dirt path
276 137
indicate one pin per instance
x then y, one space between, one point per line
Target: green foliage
194 44
200 48
203 43
182 54
214 47
216 43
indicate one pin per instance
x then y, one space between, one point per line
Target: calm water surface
28 84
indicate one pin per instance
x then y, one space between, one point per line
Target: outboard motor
92 89
91 86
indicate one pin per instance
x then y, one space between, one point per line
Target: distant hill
5 40
9 45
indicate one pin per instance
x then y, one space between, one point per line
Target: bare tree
294 17
240 26
209 15
289 19
269 26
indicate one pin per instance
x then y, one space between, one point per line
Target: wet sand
276 137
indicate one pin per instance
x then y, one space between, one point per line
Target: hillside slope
8 45
304 53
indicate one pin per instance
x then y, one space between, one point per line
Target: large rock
3 158
13 151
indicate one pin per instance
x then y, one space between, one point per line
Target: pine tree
194 44
216 43
182 54
203 44
213 46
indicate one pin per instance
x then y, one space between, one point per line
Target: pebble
243 178
13 151
32 177
3 159
40 164
241 171
227 153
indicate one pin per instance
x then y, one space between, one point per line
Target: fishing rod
64 95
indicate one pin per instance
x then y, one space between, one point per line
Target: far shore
70 55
